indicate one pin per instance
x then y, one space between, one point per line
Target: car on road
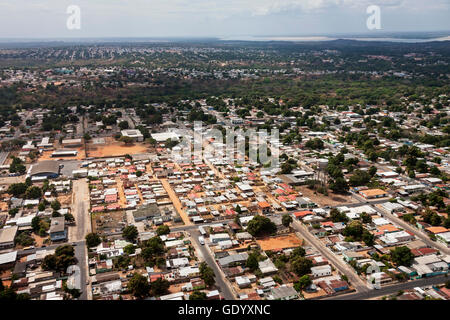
201 240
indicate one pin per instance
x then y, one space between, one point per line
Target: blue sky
170 18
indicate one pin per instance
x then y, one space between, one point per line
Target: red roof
303 214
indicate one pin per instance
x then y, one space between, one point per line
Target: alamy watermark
374 20
373 276
229 147
74 279
74 20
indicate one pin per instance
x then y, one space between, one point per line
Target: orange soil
176 202
114 149
280 242
322 200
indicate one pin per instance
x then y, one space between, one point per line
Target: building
444 237
64 153
163 136
49 169
72 143
7 236
283 293
58 231
133 133
321 271
7 260
373 193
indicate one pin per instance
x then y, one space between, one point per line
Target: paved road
415 231
386 290
422 236
82 262
344 268
81 255
80 210
209 259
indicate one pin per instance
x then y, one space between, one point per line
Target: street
386 290
344 268
209 259
80 210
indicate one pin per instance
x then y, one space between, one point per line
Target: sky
216 18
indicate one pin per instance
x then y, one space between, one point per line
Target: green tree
252 261
366 218
207 274
139 286
286 220
337 216
92 240
33 192
17 189
55 205
302 283
260 226
197 295
162 229
36 223
402 256
130 233
159 287
129 249
301 266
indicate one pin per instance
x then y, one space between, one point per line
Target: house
321 271
352 255
7 260
267 267
132 133
233 259
264 206
58 231
436 230
216 238
283 293
7 235
243 282
373 193
444 237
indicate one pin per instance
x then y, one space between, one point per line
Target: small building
321 271
283 293
58 231
373 193
133 133
7 260
7 236
72 143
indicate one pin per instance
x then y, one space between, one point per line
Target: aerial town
98 200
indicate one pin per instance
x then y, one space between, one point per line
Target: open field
280 242
113 148
331 200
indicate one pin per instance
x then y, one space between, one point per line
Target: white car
201 240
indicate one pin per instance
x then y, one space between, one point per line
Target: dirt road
176 202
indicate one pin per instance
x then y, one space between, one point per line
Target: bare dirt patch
280 242
331 199
113 148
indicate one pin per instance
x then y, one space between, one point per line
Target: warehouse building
48 169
